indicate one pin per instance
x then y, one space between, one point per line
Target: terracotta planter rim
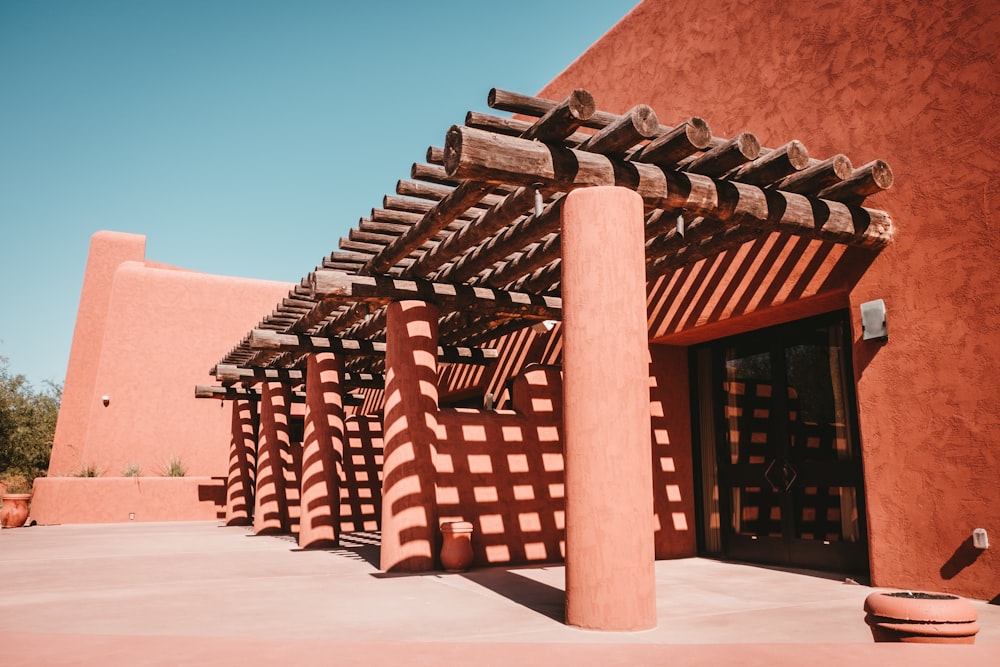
932 629
913 609
16 496
456 527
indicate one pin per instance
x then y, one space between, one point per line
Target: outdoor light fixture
873 324
105 399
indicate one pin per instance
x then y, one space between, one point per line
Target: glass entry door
788 473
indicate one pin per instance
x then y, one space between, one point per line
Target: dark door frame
786 476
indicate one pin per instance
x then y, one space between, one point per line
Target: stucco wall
107 251
60 500
145 335
915 84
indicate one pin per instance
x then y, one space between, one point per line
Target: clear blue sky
241 137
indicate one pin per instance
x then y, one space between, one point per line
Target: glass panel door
788 467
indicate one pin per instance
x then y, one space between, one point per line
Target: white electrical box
980 539
873 323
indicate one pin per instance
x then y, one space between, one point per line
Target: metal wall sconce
873 323
105 400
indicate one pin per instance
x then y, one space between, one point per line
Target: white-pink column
242 443
322 452
610 577
409 502
270 514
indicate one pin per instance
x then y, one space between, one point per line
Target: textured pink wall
144 337
59 500
915 84
152 357
504 472
107 251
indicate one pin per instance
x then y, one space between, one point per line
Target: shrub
27 425
88 471
132 470
15 484
174 468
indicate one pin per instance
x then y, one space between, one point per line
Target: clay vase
456 546
926 618
14 512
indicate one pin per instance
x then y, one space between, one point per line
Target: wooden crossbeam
266 339
226 393
232 373
234 394
381 290
488 157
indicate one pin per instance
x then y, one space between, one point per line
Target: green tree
27 425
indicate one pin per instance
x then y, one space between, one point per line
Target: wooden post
409 505
322 451
242 461
610 579
270 514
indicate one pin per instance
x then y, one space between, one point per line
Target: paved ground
200 593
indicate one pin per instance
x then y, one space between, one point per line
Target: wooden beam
564 118
869 179
348 288
535 106
558 122
535 257
775 165
456 203
728 155
483 156
519 235
265 339
233 394
493 220
236 394
632 127
225 393
817 176
688 138
231 373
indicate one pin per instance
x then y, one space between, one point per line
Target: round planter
14 512
917 617
456 546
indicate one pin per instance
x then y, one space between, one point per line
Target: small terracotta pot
456 546
916 617
14 512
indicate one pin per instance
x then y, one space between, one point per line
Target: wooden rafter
266 339
483 212
347 288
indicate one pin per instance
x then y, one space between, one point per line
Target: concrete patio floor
202 593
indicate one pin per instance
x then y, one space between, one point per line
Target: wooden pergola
478 244
475 229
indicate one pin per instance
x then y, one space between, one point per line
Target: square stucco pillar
322 452
409 503
242 454
610 576
270 514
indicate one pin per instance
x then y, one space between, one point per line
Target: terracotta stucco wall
107 251
163 332
144 337
915 84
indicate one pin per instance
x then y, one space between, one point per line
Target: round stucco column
409 504
240 481
322 451
270 499
610 577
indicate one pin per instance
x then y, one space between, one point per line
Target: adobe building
723 288
127 405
